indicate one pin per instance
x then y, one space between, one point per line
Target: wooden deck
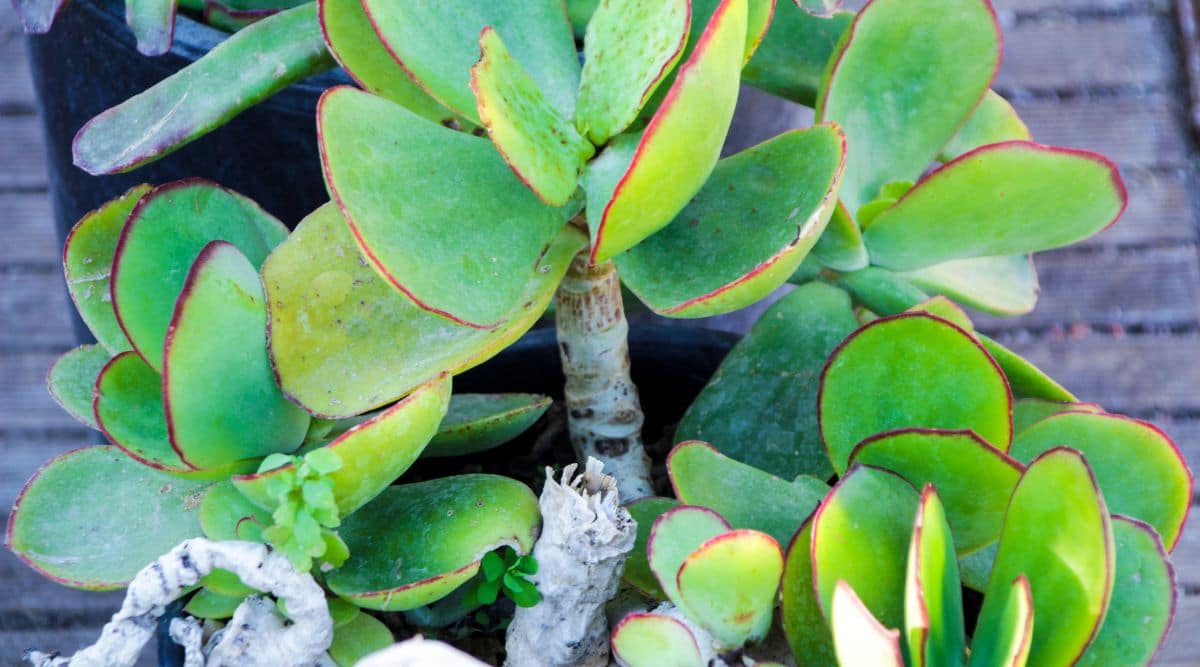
1118 321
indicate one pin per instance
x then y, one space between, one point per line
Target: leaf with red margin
374 453
72 381
343 341
746 230
992 122
541 146
645 511
681 144
1002 199
912 370
224 509
1006 285
152 23
675 535
438 42
1140 469
933 610
93 517
1007 643
37 15
803 621
729 584
233 15
415 543
458 235
791 61
647 640
904 79
841 246
479 422
859 637
1058 534
1029 411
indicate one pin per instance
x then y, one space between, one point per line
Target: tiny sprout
306 511
504 570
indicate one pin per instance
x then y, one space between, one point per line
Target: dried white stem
420 652
186 632
260 638
603 410
586 535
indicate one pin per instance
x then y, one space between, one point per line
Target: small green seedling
505 571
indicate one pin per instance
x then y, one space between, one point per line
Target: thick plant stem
603 410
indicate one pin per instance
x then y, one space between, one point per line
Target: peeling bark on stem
603 410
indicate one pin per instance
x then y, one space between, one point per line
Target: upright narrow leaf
1007 643
37 15
152 23
933 612
860 638
803 620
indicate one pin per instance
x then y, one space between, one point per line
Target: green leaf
911 371
325 461
1004 286
72 523
675 535
209 604
973 478
343 341
1057 534
860 535
617 80
860 638
1029 411
993 121
1004 199
580 12
1139 468
746 230
88 262
438 42
654 640
540 145
841 246
465 252
1007 643
637 564
680 145
362 635
883 292
479 422
488 591
933 610
760 406
704 477
791 61
902 81
729 585
416 543
267 57
72 379
493 566
802 618
223 510
152 23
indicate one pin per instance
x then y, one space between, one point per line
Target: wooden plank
1086 7
1183 643
24 403
35 308
24 165
1139 131
16 86
1186 556
28 226
31 601
25 451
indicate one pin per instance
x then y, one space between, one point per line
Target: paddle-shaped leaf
992 122
415 543
207 603
617 80
911 370
540 145
478 422
438 42
760 406
358 637
1003 199
1029 411
1005 285
745 231
859 637
675 535
268 56
728 585
901 84
637 565
803 620
72 380
1006 643
224 508
219 393
860 534
703 476
37 15
792 58
841 246
1057 533
88 263
373 453
344 342
654 640
1124 454
933 612
152 23
72 523
464 252
679 147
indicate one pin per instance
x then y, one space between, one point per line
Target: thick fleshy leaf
72 523
37 15
1025 379
745 231
152 23
129 411
166 232
1005 285
617 80
362 635
860 535
72 381
803 620
344 342
703 476
351 39
760 405
728 585
675 535
792 58
860 638
209 604
973 478
233 15
1003 199
438 42
992 122
580 12
1057 534
841 246
906 371
541 146
373 453
637 565
1007 642
224 509
1140 470
219 393
933 611
654 640
267 57
1029 411
907 76
415 543
478 422
680 145
1143 599
465 252
88 262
